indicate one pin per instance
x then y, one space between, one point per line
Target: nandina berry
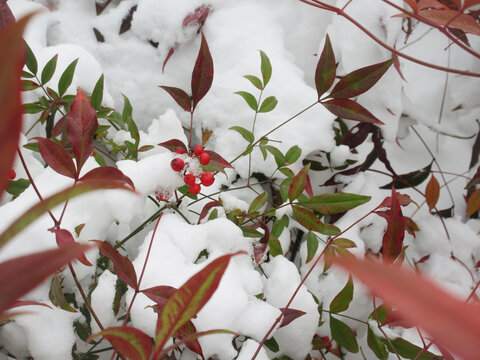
189 179
177 164
204 159
207 178
12 175
327 340
194 189
198 150
180 150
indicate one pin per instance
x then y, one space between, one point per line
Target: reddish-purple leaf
82 124
189 299
169 55
351 110
60 127
470 3
432 192
260 247
360 80
207 208
180 96
173 144
298 183
404 200
392 242
64 238
12 59
290 315
393 318
122 266
159 294
430 4
188 330
202 75
19 303
377 139
218 160
130 342
56 157
453 18
452 323
326 68
198 17
6 16
413 4
107 173
21 275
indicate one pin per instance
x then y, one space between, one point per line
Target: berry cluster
206 178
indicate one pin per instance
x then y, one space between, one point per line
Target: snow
292 34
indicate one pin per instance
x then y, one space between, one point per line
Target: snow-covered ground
292 35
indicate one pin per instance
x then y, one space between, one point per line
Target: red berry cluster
327 340
206 178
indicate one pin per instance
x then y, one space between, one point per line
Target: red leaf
60 127
198 17
130 342
473 203
404 200
184 332
298 183
393 238
107 173
326 69
159 294
470 3
413 4
360 80
207 208
432 192
452 323
430 4
351 110
21 275
202 75
56 157
65 238
173 144
180 96
396 64
218 160
82 124
6 16
122 266
169 55
393 318
189 299
453 18
12 59
308 187
260 247
290 315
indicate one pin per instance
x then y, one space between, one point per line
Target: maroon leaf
130 342
290 315
393 318
393 238
159 294
218 160
351 110
6 16
360 80
198 17
260 247
65 238
169 55
326 68
107 173
180 96
371 157
357 135
60 127
453 18
202 75
19 303
21 275
188 330
56 157
207 208
432 4
173 144
122 266
82 124
404 200
377 140
298 183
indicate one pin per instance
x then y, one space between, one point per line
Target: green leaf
343 335
326 69
258 203
287 172
376 345
32 108
31 60
311 222
312 246
275 246
344 243
97 94
277 154
328 204
409 351
249 98
255 81
49 70
293 154
251 232
56 295
343 299
266 68
16 187
298 183
247 134
27 75
213 214
66 78
268 104
272 344
410 179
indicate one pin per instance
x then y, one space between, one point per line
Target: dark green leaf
213 214
343 335
328 204
16 187
251 232
410 179
272 344
49 70
255 81
311 222
343 299
97 94
275 246
375 344
56 295
27 75
408 350
32 108
247 134
279 157
312 246
268 104
326 68
266 68
67 77
249 98
350 110
258 203
298 183
31 61
293 154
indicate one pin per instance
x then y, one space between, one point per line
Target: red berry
180 150
12 175
204 159
198 150
189 179
207 178
177 164
194 189
327 340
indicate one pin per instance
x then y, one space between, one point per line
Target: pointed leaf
410 179
473 203
392 242
413 5
290 315
293 154
218 160
343 335
122 266
56 157
97 94
326 69
246 134
360 80
189 299
432 192
57 297
375 344
453 18
277 154
343 299
350 110
249 98
328 204
470 3
128 341
49 70
187 331
63 238
312 246
298 183
275 248
268 104
6 16
160 294
66 78
44 264
266 68
82 124
180 96
311 222
408 350
107 173
344 243
258 203
207 208
255 81
202 76
173 144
